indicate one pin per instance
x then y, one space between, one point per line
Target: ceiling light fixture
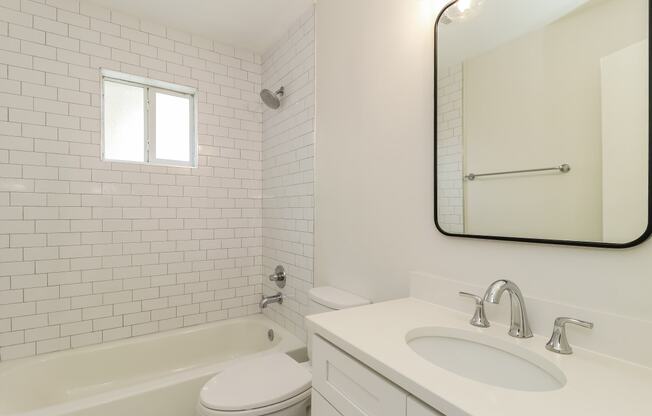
461 10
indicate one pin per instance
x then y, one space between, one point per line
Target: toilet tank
327 298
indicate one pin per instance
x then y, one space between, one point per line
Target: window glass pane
172 127
124 122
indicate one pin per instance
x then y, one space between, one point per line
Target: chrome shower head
272 99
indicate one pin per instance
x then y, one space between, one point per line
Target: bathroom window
147 121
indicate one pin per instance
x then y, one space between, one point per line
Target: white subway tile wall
288 172
92 251
450 149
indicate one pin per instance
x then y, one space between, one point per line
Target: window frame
150 88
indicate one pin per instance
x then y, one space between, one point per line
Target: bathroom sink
485 359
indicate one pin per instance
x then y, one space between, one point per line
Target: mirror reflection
542 119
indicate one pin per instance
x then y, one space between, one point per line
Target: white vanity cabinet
344 386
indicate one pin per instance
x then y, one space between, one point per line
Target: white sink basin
486 359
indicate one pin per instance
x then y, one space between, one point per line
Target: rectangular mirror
542 121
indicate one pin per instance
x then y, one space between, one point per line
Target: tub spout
266 300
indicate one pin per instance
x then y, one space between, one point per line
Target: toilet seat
262 411
257 386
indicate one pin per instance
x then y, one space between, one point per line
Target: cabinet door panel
351 387
416 407
320 407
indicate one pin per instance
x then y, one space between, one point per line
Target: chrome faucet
519 325
266 300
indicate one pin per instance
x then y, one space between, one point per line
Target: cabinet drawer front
418 408
320 407
352 388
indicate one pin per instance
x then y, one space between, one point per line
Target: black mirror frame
639 240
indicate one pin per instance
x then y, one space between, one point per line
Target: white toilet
273 384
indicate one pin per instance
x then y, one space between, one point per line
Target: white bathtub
154 375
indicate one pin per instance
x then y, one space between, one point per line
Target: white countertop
597 385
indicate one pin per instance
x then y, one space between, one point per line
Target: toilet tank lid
335 298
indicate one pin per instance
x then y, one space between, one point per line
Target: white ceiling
251 24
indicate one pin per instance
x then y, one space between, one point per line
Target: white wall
374 206
92 251
288 172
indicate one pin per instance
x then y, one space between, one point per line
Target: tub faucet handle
279 276
479 317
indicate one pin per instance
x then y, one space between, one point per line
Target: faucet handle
563 321
558 342
279 276
479 318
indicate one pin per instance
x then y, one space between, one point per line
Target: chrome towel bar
565 168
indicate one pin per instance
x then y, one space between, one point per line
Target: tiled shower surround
288 172
450 148
92 251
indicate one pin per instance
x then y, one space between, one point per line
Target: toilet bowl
272 384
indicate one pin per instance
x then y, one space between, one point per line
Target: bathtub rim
5 365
